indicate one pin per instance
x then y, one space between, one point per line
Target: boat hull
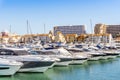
111 57
38 66
78 62
63 62
104 57
9 70
94 58
36 69
52 65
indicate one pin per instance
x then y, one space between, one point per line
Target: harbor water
91 70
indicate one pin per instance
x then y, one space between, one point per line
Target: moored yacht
30 63
118 52
110 54
65 57
78 56
94 55
9 67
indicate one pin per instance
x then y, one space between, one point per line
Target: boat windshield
44 53
74 51
13 52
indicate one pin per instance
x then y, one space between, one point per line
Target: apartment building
113 29
74 29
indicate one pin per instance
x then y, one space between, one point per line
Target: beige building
110 29
100 29
14 39
6 38
44 37
71 37
81 38
59 37
37 37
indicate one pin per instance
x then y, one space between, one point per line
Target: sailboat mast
27 28
91 31
30 28
10 28
45 33
44 29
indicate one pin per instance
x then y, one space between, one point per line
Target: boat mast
45 33
10 29
27 28
91 31
44 29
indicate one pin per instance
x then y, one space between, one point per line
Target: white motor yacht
78 56
30 63
110 54
118 52
65 58
94 55
9 67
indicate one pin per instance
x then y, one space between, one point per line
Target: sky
50 13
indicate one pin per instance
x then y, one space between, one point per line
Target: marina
53 59
59 40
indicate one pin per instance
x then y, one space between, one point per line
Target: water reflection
59 73
32 76
27 76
